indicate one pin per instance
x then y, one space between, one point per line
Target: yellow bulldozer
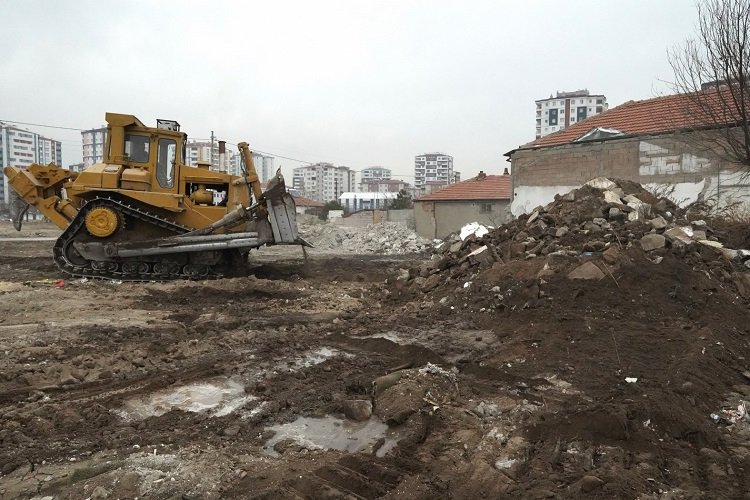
142 214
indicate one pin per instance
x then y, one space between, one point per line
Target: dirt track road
260 387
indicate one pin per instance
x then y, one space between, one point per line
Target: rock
712 244
129 484
380 384
403 274
482 256
570 196
699 223
602 183
66 377
678 237
611 255
601 222
232 430
358 409
430 283
742 282
615 213
612 197
99 492
658 223
699 234
586 271
590 483
562 231
652 242
456 247
729 254
534 216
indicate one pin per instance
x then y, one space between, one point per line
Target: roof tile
492 187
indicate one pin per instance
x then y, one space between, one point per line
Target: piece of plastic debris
59 284
474 228
631 380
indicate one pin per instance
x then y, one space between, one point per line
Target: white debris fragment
436 370
631 380
467 284
475 228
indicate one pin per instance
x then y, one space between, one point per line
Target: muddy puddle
331 433
311 358
218 397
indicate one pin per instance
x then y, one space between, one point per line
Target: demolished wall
661 161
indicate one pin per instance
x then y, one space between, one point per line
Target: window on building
553 117
485 208
599 101
599 109
581 113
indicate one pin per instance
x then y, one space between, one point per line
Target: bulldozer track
126 270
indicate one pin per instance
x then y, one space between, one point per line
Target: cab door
166 164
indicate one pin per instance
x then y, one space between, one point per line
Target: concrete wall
404 216
438 219
664 162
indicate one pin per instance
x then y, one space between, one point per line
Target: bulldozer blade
276 188
18 209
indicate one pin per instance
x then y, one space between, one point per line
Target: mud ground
181 389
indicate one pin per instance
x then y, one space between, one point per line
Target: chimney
481 176
505 172
222 155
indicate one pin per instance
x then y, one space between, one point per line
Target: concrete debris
473 228
388 238
590 233
652 242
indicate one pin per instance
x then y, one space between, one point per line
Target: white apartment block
21 148
263 165
93 145
567 108
196 151
323 181
432 167
375 173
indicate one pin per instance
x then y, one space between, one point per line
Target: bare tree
712 73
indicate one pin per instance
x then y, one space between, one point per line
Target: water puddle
331 433
311 358
218 397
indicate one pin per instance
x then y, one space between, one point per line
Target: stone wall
438 219
403 216
670 162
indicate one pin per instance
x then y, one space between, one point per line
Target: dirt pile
622 326
387 238
584 234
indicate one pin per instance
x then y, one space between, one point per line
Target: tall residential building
432 167
93 145
567 108
323 181
263 165
196 151
21 148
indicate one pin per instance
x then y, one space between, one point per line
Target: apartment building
433 167
21 148
263 165
375 173
565 109
93 145
323 181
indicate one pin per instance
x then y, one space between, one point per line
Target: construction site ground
260 386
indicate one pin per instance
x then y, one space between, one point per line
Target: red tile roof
649 116
492 187
301 201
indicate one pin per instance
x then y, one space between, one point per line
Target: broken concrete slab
658 222
612 197
652 242
678 236
602 183
586 271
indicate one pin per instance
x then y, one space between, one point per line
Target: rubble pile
388 238
584 234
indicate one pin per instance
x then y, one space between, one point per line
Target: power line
41 125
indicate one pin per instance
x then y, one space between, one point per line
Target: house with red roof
660 143
484 199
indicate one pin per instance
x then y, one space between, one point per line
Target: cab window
136 148
166 162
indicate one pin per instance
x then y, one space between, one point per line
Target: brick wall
676 160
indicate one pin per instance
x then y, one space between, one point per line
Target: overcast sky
354 83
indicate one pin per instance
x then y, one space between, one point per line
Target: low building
383 185
307 206
657 142
484 199
354 202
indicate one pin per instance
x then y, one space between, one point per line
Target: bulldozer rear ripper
142 214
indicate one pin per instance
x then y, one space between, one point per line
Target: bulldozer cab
151 157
